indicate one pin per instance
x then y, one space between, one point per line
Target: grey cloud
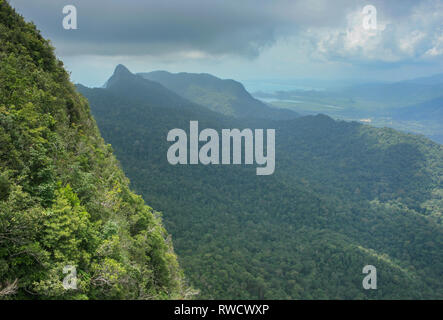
211 27
131 27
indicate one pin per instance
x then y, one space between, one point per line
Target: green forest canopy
343 195
63 197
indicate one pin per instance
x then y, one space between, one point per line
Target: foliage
63 198
343 195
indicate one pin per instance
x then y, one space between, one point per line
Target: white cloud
415 36
437 49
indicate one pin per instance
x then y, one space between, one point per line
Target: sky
247 39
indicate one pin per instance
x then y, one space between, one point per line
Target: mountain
66 208
398 94
228 97
431 80
123 82
343 195
428 110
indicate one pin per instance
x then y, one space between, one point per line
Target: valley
343 195
409 106
122 181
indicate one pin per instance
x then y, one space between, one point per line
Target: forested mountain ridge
343 195
64 201
225 96
123 82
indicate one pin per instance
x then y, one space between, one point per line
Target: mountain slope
64 200
343 196
428 110
436 79
397 94
228 97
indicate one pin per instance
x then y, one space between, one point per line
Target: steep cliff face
64 200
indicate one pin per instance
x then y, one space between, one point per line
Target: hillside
227 96
397 94
413 106
343 195
64 201
431 110
436 79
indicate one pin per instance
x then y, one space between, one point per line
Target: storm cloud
243 38
114 27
